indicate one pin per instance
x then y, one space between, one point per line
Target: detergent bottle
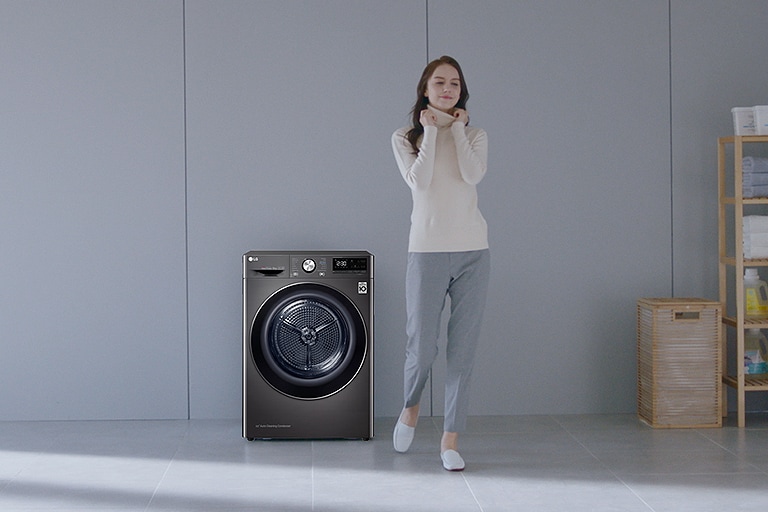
755 295
755 352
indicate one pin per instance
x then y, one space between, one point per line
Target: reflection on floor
514 463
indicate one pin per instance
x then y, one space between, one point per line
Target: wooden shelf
743 138
731 260
732 265
745 200
749 323
751 382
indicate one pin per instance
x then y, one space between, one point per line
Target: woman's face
443 88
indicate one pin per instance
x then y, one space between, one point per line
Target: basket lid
677 301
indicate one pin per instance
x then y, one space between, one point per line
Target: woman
442 160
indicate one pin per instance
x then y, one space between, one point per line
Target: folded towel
756 239
756 253
755 178
755 245
755 224
754 191
754 164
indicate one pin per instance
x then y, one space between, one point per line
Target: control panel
304 265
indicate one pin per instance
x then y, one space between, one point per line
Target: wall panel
92 301
717 64
290 107
575 99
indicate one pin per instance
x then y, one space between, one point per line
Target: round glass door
308 341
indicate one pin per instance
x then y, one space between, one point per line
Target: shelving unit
733 263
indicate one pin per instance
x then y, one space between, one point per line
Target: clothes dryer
307 345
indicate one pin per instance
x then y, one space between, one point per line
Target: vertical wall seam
426 61
671 159
426 29
186 196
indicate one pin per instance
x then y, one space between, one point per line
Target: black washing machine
307 345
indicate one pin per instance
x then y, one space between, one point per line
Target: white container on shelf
761 119
743 120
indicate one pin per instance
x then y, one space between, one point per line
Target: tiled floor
514 463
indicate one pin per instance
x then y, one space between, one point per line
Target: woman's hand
427 118
459 114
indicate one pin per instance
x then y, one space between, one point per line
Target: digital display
350 264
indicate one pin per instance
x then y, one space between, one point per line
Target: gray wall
93 279
146 145
717 55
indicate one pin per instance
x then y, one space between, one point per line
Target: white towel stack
755 236
754 176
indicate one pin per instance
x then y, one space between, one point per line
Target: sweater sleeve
417 170
472 154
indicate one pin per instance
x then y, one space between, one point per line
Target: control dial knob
308 265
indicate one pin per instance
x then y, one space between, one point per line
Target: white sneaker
402 436
452 461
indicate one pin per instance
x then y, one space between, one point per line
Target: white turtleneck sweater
451 161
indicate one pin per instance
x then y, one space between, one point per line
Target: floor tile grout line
728 450
629 487
474 496
613 473
172 458
39 454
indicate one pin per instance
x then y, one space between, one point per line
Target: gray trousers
430 277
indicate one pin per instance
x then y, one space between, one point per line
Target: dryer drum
308 338
308 341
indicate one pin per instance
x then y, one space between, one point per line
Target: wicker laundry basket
678 362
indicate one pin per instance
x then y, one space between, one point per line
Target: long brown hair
417 130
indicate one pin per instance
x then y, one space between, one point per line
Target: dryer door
308 341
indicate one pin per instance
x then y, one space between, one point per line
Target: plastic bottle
755 295
755 352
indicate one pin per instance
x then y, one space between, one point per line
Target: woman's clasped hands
428 118
460 115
